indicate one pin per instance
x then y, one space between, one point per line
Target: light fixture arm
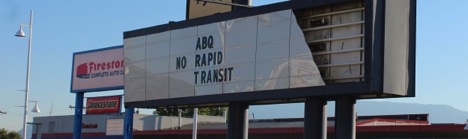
225 3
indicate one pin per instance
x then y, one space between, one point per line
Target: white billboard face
98 70
263 52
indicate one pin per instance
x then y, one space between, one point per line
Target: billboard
277 53
100 105
98 70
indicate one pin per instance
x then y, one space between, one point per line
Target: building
210 127
110 126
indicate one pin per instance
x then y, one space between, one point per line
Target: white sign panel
98 70
114 127
263 52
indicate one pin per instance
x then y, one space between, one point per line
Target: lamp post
20 33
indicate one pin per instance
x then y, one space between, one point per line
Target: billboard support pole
195 123
345 112
237 126
245 133
78 115
315 119
128 123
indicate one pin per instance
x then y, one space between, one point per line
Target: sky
61 28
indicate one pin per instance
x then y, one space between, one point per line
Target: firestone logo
96 70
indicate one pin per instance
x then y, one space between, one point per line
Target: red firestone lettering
92 66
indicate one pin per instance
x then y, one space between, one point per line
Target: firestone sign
98 70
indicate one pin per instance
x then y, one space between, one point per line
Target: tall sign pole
78 115
128 123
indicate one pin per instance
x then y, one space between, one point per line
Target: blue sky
64 27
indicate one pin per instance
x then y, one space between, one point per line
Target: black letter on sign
204 43
181 62
196 76
198 47
210 41
220 58
230 73
197 60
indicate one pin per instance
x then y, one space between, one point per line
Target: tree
5 134
211 111
188 112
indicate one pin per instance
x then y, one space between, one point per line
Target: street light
20 33
36 107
